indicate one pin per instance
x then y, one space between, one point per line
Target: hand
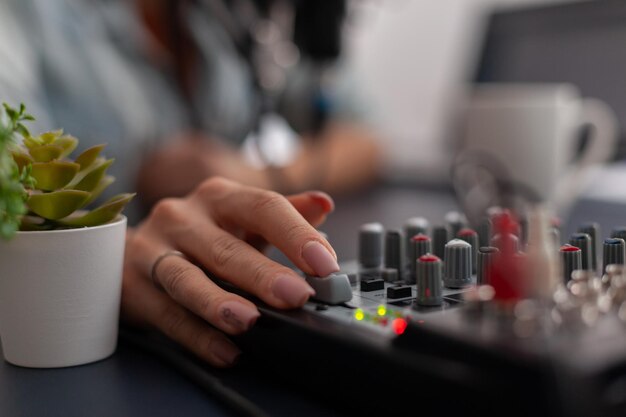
222 226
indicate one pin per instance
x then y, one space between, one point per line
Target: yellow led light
382 310
358 314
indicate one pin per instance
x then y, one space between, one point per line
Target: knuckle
170 209
174 276
268 201
300 231
260 280
215 186
224 249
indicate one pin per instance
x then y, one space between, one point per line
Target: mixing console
502 318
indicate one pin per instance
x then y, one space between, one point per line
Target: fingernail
319 259
324 200
226 351
239 315
292 290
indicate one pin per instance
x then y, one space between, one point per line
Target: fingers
143 303
189 286
314 206
237 262
275 218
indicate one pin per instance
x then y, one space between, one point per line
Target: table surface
134 382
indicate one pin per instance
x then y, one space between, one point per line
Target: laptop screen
583 43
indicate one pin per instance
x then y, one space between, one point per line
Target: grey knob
441 236
593 230
583 242
458 264
393 251
613 252
455 221
571 260
414 226
484 232
429 289
470 236
486 257
420 245
371 245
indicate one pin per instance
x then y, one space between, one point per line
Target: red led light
399 325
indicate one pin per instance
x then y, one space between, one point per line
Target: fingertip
324 200
319 258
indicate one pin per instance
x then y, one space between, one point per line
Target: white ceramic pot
60 295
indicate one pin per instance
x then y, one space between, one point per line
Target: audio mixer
504 317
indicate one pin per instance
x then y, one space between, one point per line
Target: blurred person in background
181 90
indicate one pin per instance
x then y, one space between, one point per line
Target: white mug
531 133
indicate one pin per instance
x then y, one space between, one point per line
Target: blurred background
294 94
418 59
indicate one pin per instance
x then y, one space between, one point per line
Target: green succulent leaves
41 188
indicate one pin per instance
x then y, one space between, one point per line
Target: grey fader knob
371 245
441 236
486 258
583 242
456 221
393 251
332 289
420 245
429 289
593 230
470 236
412 227
458 264
613 252
571 260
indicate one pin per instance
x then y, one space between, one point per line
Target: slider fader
506 317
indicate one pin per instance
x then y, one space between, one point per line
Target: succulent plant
42 188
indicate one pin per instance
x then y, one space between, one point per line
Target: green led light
382 310
358 314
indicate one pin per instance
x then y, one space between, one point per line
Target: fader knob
486 257
571 259
613 252
371 245
593 230
458 264
393 251
429 290
583 242
441 236
414 226
420 245
470 236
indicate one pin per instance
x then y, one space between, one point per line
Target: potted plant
60 264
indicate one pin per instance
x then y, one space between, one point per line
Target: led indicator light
381 310
358 314
399 326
